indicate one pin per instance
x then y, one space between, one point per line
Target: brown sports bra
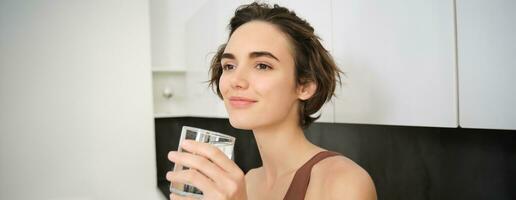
299 184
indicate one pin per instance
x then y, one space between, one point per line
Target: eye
262 66
226 67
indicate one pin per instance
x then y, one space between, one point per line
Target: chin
240 123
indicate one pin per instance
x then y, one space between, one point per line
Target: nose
239 78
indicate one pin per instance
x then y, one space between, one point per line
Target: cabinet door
399 60
167 20
486 48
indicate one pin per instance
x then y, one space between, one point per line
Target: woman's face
258 82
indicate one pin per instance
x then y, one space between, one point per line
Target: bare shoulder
339 177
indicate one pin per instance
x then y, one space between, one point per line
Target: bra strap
299 184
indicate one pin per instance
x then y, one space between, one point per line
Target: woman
273 74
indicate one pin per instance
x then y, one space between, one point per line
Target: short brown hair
312 61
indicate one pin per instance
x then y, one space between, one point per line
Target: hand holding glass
224 142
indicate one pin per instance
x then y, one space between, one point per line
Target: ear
306 90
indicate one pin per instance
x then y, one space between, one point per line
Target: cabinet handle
167 93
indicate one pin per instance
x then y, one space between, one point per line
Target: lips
241 102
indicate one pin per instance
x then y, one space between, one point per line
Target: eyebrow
253 54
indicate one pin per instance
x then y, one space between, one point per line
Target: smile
241 102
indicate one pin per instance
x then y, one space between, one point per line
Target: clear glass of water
224 142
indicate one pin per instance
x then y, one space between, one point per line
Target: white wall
75 100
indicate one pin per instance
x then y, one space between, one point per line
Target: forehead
259 36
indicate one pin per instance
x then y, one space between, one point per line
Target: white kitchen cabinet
486 63
399 60
167 20
171 82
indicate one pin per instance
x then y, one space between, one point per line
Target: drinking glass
224 142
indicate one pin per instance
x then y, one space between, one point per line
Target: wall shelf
168 115
171 115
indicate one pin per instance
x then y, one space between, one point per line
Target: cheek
278 91
223 85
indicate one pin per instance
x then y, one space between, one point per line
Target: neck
283 149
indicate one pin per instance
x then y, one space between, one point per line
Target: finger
192 177
173 196
200 163
211 152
